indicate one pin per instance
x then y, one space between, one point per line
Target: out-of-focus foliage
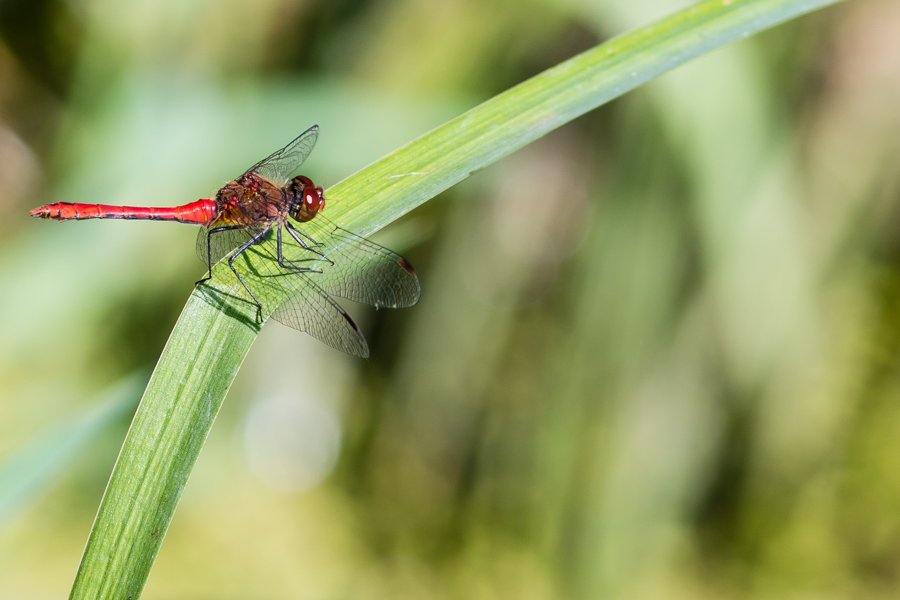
656 353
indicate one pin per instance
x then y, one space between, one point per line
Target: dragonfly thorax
304 198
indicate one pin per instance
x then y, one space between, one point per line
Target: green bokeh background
657 353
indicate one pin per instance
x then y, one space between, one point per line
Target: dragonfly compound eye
308 198
312 200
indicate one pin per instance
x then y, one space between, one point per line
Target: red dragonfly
325 260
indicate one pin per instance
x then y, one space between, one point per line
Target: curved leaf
217 327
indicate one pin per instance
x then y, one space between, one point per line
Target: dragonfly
267 211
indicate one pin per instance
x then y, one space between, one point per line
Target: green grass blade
217 327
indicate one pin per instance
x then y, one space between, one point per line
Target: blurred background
674 373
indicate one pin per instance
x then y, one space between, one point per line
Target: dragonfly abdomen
201 212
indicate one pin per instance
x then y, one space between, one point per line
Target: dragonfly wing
279 166
362 271
311 310
307 308
222 242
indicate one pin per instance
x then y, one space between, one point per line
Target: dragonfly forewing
360 270
278 166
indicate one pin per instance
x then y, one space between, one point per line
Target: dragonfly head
306 199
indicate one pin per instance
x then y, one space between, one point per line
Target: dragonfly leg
237 253
282 262
306 235
209 249
294 235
